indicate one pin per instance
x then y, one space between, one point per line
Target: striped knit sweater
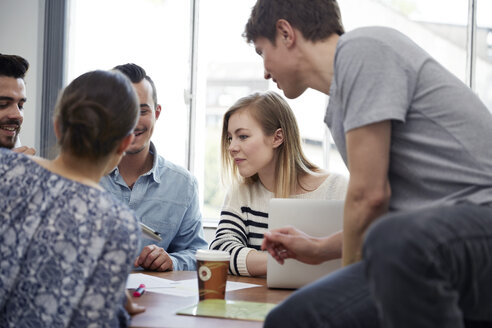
244 217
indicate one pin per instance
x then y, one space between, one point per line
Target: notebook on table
315 217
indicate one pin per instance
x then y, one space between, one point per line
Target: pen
150 233
139 291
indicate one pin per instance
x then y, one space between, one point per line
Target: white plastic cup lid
212 255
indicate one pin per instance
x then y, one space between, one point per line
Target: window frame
56 15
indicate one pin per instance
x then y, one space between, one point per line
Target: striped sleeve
239 234
231 236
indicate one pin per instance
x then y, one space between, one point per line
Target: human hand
290 242
132 307
25 150
154 258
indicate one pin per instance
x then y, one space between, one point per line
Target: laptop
315 217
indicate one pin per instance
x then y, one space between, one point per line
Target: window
442 33
483 79
157 35
154 34
229 69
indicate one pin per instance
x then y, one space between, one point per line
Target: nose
14 112
233 147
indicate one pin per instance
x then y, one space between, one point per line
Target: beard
8 145
134 151
9 142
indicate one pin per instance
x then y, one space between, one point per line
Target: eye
243 137
229 139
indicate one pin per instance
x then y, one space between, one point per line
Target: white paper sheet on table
135 279
182 288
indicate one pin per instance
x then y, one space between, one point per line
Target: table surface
161 309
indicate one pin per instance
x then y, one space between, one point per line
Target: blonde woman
262 157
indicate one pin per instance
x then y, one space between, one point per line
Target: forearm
231 237
183 248
369 192
228 237
330 247
187 241
359 214
352 237
238 250
183 260
256 263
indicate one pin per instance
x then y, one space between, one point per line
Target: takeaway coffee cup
212 269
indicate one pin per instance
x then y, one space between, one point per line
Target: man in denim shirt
163 195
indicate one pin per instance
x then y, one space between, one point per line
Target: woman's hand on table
132 307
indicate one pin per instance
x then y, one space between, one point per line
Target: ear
285 32
278 138
157 111
125 143
57 129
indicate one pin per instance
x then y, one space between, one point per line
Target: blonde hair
271 112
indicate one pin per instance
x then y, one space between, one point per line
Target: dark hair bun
95 112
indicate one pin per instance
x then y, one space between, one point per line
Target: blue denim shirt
165 199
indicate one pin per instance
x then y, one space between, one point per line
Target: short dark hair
13 66
95 112
315 19
136 74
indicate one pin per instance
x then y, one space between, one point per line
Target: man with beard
12 99
163 195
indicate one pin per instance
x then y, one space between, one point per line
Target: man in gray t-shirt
440 131
417 237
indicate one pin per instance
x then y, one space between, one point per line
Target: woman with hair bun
66 245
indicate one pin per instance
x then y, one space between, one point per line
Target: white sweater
244 217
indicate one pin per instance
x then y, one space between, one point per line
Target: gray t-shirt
441 134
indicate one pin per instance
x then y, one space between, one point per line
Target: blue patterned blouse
65 249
